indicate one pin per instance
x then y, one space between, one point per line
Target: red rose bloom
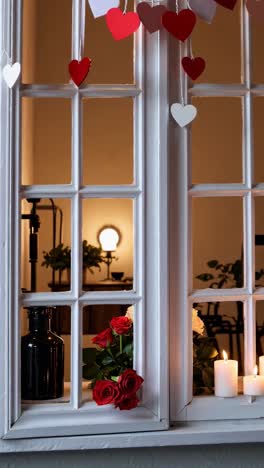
105 392
129 382
128 403
121 325
104 338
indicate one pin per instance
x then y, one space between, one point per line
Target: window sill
195 433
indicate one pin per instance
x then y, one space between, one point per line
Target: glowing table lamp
109 238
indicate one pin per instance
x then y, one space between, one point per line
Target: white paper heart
183 115
205 9
11 73
101 7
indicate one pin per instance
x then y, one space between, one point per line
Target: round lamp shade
109 239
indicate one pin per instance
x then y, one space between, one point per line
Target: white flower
130 313
197 323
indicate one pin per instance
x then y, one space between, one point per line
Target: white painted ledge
197 433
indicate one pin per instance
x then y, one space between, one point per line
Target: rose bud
121 325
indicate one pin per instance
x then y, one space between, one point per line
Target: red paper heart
181 25
79 70
193 67
121 25
151 16
256 9
230 4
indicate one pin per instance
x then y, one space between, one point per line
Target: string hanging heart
183 115
79 70
179 25
230 4
205 9
101 7
194 67
121 24
150 16
11 73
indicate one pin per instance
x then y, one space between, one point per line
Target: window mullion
218 190
86 191
218 90
76 219
68 90
14 48
180 244
249 221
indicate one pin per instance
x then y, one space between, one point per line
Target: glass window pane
257 33
46 366
112 61
47 31
45 245
46 141
260 334
217 141
259 241
218 327
213 43
96 319
108 141
258 109
217 242
112 268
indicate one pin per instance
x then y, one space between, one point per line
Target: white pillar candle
254 384
261 365
226 377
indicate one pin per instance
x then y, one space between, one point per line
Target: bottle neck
39 324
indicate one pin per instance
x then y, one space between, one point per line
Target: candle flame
255 371
225 356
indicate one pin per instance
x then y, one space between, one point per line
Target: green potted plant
58 258
228 275
92 257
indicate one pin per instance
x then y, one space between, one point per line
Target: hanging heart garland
79 70
179 25
205 9
183 115
101 7
150 16
256 9
11 73
194 67
121 24
230 4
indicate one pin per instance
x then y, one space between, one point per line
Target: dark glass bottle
42 358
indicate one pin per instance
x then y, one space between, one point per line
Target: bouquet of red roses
110 366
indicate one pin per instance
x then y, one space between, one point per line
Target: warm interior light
108 239
225 356
255 371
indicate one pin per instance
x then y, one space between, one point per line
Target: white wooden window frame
149 194
185 407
